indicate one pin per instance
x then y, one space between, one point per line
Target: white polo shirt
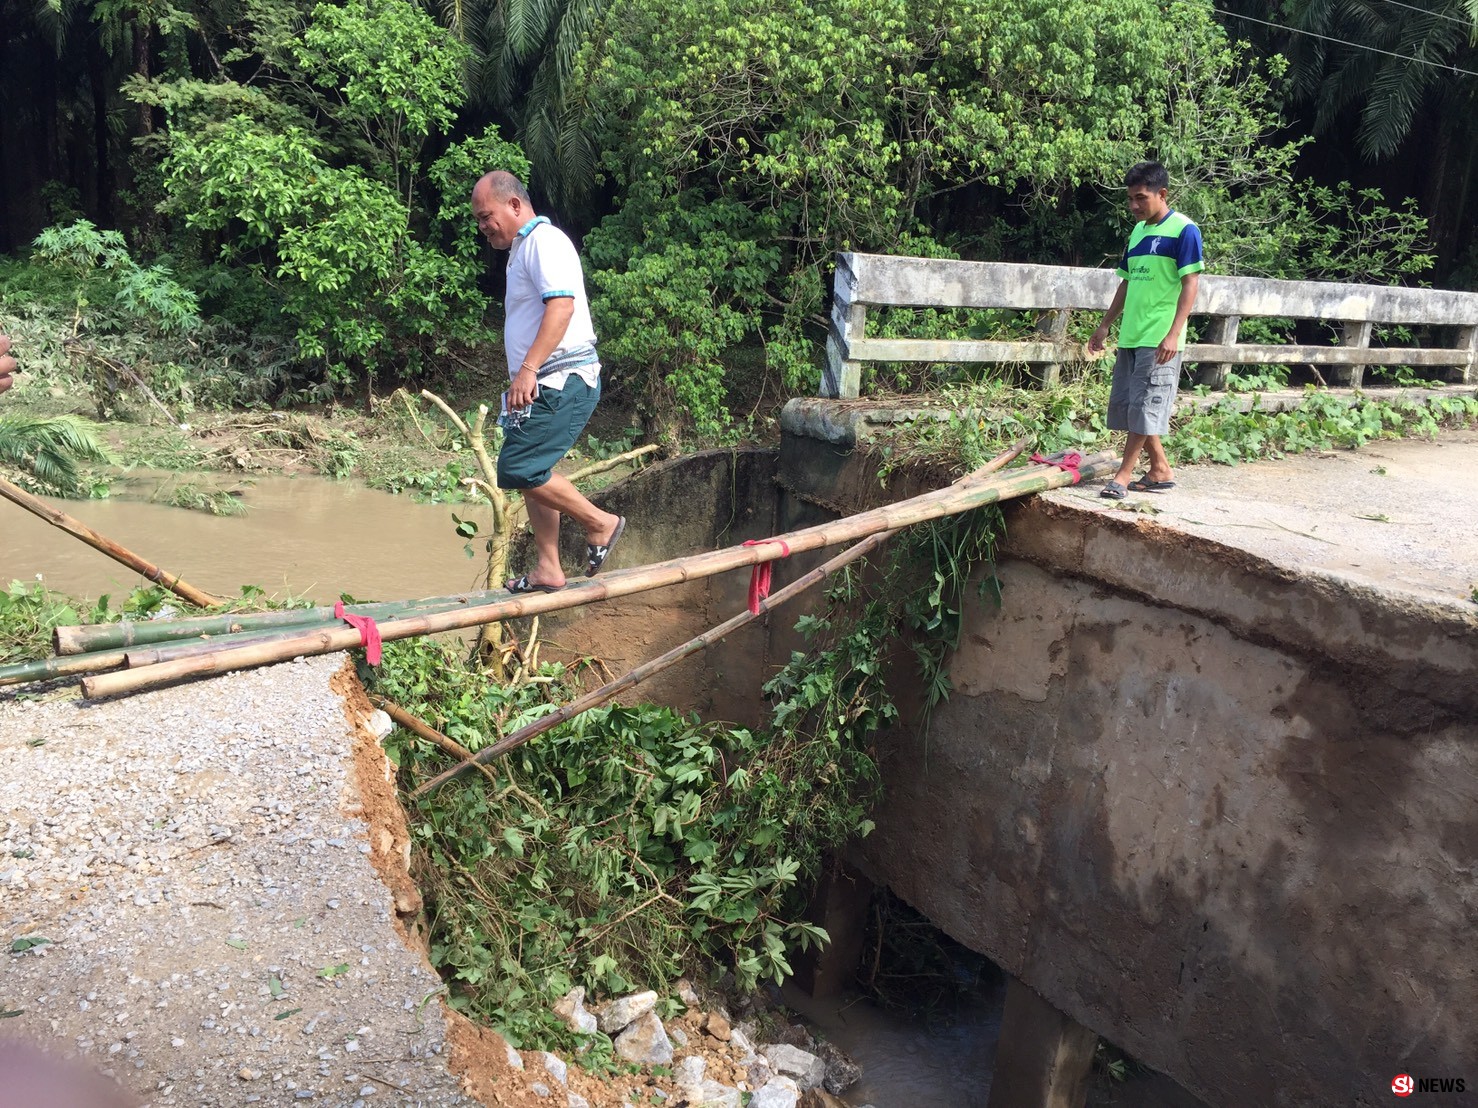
543 264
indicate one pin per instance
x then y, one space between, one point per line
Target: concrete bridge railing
866 281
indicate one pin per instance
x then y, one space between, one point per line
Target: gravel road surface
216 929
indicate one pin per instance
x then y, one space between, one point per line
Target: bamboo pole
699 642
933 505
109 636
45 669
153 655
78 529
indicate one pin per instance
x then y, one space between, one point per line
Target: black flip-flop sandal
597 553
1112 491
523 584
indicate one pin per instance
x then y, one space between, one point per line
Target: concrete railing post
1222 332
1053 327
1356 335
842 377
1467 339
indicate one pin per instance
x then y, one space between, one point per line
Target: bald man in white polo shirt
554 376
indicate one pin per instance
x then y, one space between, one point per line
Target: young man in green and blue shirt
1160 272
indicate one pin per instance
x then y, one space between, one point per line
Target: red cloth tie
1069 464
369 632
759 575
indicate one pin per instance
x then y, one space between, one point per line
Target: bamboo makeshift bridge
229 651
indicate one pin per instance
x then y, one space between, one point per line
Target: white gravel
217 933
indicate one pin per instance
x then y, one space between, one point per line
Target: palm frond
527 25
52 450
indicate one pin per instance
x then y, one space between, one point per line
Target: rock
687 994
805 1068
645 1042
625 1011
577 1101
556 1067
539 1089
757 1073
514 1058
741 1044
678 1035
380 724
841 1071
820 1098
713 1095
247 1074
715 1024
689 1072
571 1009
778 1092
796 1035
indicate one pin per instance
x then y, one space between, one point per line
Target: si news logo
1403 1085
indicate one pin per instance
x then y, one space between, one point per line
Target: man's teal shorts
534 444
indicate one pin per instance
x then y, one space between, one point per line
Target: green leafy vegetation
983 418
48 453
630 841
29 612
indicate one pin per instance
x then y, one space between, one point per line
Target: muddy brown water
304 536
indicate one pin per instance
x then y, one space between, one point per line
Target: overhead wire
1429 11
1354 45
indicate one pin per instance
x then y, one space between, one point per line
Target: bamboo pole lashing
933 505
714 635
80 530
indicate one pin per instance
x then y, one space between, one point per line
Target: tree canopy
303 167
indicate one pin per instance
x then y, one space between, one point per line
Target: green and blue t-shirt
1158 256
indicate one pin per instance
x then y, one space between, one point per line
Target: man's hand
7 363
1098 339
1167 349
523 388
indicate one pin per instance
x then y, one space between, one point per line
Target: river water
304 536
912 1063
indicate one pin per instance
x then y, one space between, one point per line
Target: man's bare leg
545 521
1132 448
558 497
1159 464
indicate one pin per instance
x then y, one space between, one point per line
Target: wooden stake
418 726
692 646
188 593
933 505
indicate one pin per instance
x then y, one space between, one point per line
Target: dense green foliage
314 190
300 171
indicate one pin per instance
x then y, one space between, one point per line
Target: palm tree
51 450
1395 59
523 59
1396 77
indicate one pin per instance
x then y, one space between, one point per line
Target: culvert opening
922 1017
